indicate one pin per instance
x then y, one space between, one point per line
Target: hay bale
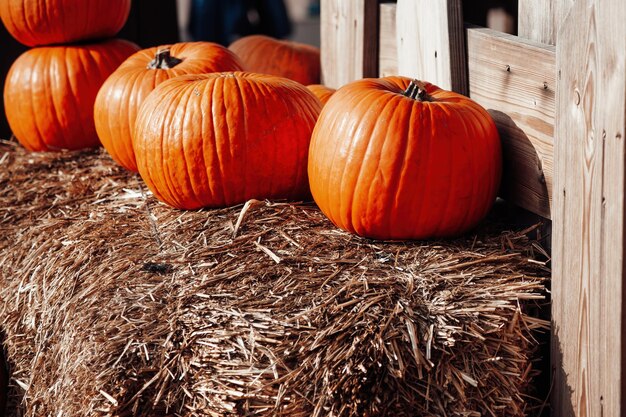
116 305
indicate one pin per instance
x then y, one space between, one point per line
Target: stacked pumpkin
50 89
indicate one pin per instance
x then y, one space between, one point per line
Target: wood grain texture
387 45
349 40
431 42
588 243
515 80
539 20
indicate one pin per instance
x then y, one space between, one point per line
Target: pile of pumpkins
209 126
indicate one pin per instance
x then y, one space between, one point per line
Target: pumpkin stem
163 60
417 91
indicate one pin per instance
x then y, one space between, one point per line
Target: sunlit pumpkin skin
47 22
122 94
50 92
385 165
322 92
220 139
297 61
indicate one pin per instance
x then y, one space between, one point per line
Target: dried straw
113 304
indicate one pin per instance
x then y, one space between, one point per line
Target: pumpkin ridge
286 112
25 20
311 115
59 118
184 98
325 177
163 121
357 136
403 131
220 137
244 122
85 68
54 123
425 167
126 150
372 189
451 183
41 138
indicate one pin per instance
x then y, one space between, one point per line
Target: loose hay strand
161 312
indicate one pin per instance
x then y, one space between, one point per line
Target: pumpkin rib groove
184 103
59 116
169 100
70 70
335 213
452 183
203 135
425 168
76 91
371 184
37 115
293 126
302 148
218 90
243 119
358 137
130 115
325 177
403 168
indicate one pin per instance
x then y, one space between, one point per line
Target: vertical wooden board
349 40
431 43
588 225
387 46
515 80
540 20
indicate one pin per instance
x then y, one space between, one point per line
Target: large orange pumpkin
46 22
122 94
220 139
322 92
50 91
392 158
263 54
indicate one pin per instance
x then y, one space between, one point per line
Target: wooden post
431 42
589 331
387 45
349 40
539 20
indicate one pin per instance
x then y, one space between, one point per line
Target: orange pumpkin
122 94
50 91
392 158
297 61
322 92
39 22
220 139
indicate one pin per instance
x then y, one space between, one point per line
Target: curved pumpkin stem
164 60
417 91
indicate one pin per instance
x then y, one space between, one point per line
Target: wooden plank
539 20
431 42
349 40
387 46
588 346
514 79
